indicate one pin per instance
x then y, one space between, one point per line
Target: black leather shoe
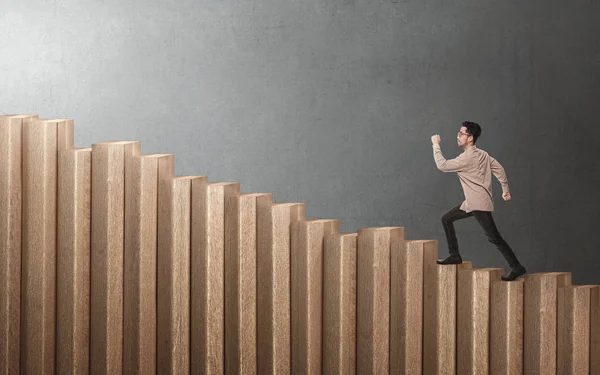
514 273
451 259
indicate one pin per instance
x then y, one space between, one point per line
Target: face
463 137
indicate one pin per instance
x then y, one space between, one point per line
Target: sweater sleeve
500 174
448 165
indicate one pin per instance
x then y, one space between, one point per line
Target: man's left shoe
514 273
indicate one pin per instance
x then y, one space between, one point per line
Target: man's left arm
448 165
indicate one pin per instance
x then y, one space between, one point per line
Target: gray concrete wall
333 103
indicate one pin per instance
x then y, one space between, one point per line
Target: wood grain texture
73 260
240 281
108 223
473 319
42 139
208 275
142 173
273 320
595 330
11 135
573 330
65 134
339 304
439 318
540 320
408 261
506 327
173 277
373 298
307 238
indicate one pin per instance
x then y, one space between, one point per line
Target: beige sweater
474 168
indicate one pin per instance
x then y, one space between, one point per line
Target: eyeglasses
459 134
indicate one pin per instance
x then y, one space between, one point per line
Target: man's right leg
448 219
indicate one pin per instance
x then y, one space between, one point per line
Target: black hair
473 129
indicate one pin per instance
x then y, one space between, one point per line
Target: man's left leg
485 219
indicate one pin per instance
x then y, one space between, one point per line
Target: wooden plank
595 330
573 330
506 327
539 336
339 304
42 139
307 237
240 282
408 262
273 320
142 173
11 136
208 275
173 277
473 319
73 262
439 318
373 298
108 222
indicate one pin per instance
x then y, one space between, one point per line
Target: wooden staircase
111 264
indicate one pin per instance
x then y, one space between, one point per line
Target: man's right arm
498 171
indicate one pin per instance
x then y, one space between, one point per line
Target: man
475 168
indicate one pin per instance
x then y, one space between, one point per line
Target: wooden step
408 262
273 318
106 283
339 305
240 281
175 210
73 260
142 175
540 320
473 319
373 298
439 317
307 238
208 275
595 330
11 200
573 329
42 140
506 327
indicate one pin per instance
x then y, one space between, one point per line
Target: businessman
475 167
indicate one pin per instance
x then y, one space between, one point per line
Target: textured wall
333 103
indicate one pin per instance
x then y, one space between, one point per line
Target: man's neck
466 147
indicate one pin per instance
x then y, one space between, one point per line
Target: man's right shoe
514 273
451 259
